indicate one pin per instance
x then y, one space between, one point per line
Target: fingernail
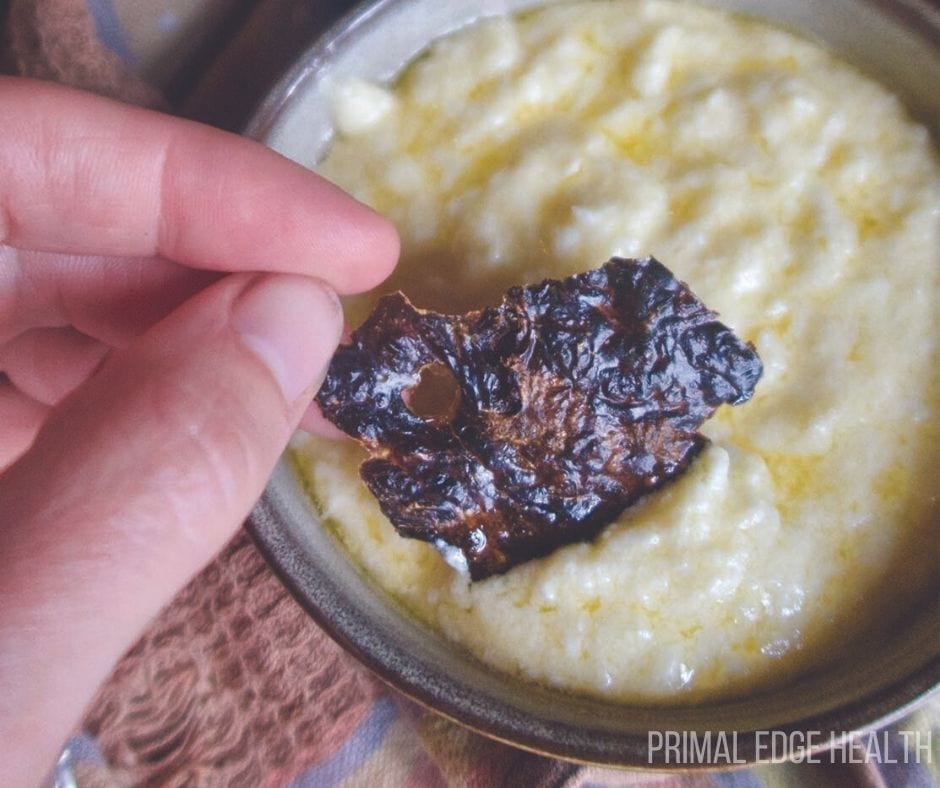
292 323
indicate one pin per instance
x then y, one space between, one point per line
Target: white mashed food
797 199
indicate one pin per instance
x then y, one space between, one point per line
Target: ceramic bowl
898 42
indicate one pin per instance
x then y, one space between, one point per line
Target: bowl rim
435 688
921 17
873 710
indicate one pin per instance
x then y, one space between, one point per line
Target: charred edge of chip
660 364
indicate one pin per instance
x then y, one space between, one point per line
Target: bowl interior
896 42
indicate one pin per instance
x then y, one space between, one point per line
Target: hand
167 310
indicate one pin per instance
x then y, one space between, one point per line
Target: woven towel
233 684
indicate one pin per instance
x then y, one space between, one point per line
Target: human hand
160 376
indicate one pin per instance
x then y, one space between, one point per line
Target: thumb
138 479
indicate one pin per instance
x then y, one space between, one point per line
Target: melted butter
797 477
637 144
894 483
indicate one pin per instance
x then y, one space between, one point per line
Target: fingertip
375 247
292 324
387 245
314 422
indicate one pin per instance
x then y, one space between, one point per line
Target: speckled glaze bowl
896 41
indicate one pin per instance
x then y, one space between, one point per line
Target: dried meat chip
575 398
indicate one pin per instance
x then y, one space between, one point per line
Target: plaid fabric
234 685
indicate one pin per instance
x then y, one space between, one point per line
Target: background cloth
233 684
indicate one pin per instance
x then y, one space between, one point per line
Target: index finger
86 175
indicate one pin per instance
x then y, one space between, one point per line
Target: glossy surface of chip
573 399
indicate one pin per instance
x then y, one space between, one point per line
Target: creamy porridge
796 199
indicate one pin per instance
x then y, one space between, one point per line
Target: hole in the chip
436 395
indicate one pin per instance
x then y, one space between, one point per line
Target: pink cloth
234 685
